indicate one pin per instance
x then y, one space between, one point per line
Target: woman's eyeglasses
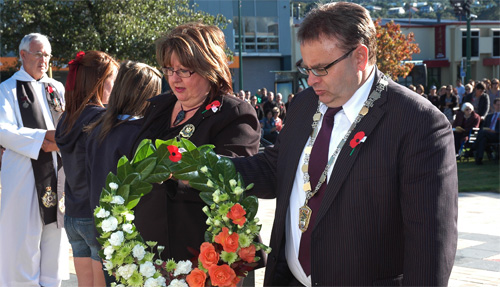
169 71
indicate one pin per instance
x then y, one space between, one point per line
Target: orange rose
237 214
196 278
236 280
221 275
208 256
228 242
247 254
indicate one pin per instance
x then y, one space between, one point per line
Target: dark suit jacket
171 213
389 213
487 122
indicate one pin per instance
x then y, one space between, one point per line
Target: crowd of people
468 107
351 209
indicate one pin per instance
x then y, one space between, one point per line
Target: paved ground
477 262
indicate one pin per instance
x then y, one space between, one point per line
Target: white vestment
31 253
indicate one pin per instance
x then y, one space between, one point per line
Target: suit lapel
345 159
304 124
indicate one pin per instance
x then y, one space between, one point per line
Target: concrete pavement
477 261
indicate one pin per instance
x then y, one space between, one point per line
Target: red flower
357 139
175 155
221 275
247 254
229 242
213 106
237 214
196 278
208 256
50 90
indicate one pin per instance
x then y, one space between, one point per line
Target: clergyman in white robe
31 253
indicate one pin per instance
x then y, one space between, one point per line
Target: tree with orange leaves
393 47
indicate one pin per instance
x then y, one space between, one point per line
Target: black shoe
479 161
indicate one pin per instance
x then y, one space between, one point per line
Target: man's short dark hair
480 86
347 22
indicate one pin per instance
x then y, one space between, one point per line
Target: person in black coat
489 134
386 212
479 99
88 87
171 214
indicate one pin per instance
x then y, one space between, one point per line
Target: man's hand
48 146
49 142
50 135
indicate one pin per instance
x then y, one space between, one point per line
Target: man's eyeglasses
319 72
39 55
494 83
169 71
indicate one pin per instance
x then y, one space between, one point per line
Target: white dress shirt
343 120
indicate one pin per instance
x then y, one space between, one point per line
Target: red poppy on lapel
358 138
214 106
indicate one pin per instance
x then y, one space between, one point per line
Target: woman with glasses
199 107
465 120
88 86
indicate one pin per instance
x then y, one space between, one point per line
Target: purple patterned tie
317 163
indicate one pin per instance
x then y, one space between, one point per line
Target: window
259 34
496 43
474 38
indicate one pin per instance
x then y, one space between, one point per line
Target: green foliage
124 29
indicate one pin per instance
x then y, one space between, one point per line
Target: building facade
265 37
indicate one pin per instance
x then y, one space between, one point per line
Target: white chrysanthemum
127 227
108 251
161 281
151 282
113 186
210 183
129 216
138 251
147 269
232 182
108 265
178 283
116 238
126 271
103 213
238 190
118 200
183 267
109 224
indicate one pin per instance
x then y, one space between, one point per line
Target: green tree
394 47
124 29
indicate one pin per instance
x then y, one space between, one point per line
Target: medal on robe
49 198
26 105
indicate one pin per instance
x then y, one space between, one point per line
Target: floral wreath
228 252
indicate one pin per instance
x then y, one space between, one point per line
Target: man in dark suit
386 212
489 134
